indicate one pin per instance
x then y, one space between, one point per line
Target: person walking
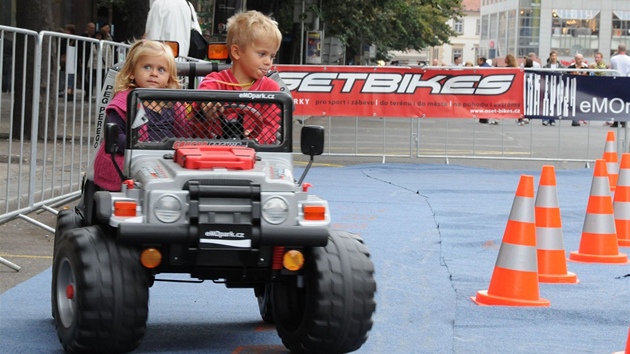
510 62
534 59
621 63
578 64
482 62
172 20
552 63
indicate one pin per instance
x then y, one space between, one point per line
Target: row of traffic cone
619 179
532 249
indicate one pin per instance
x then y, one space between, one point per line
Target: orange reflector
124 208
217 51
174 47
151 258
293 260
314 212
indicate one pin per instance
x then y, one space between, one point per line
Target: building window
575 31
620 30
459 26
478 27
484 26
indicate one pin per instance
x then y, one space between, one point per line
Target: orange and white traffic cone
599 238
514 281
621 202
612 160
627 350
552 263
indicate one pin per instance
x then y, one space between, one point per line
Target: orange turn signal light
124 208
314 212
151 258
217 51
293 260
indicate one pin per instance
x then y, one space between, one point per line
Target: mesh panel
164 121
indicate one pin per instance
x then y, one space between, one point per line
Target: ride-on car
209 191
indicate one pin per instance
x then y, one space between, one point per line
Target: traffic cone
610 155
627 350
552 263
621 202
514 281
599 239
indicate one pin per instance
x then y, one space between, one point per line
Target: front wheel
328 309
100 293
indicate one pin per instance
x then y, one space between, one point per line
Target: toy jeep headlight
275 210
168 209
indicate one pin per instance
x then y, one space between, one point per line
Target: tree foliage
390 24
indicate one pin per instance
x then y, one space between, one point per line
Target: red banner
389 91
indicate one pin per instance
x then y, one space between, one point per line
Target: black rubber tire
332 312
67 219
263 295
108 307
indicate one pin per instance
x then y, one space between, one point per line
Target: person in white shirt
621 61
171 20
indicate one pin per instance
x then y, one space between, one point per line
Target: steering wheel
233 121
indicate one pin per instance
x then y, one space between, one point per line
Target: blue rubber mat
434 232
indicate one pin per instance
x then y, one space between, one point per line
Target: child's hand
212 111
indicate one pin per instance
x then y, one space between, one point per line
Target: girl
149 64
253 40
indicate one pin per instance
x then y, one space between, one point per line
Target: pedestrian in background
534 59
552 63
510 62
482 62
172 20
599 64
579 65
621 63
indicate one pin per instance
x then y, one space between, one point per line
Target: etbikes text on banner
390 91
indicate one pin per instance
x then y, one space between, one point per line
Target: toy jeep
208 190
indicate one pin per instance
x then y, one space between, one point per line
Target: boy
253 40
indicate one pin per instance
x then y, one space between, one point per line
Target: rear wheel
100 293
329 308
263 294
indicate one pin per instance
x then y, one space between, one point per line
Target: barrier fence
47 124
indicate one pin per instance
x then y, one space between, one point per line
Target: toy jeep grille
215 117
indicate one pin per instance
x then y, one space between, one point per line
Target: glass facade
620 30
528 27
570 27
575 31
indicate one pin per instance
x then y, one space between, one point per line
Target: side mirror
312 140
111 138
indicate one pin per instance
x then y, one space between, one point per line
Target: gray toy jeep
214 198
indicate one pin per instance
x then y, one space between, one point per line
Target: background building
466 44
568 26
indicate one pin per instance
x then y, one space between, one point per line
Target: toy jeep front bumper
185 234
